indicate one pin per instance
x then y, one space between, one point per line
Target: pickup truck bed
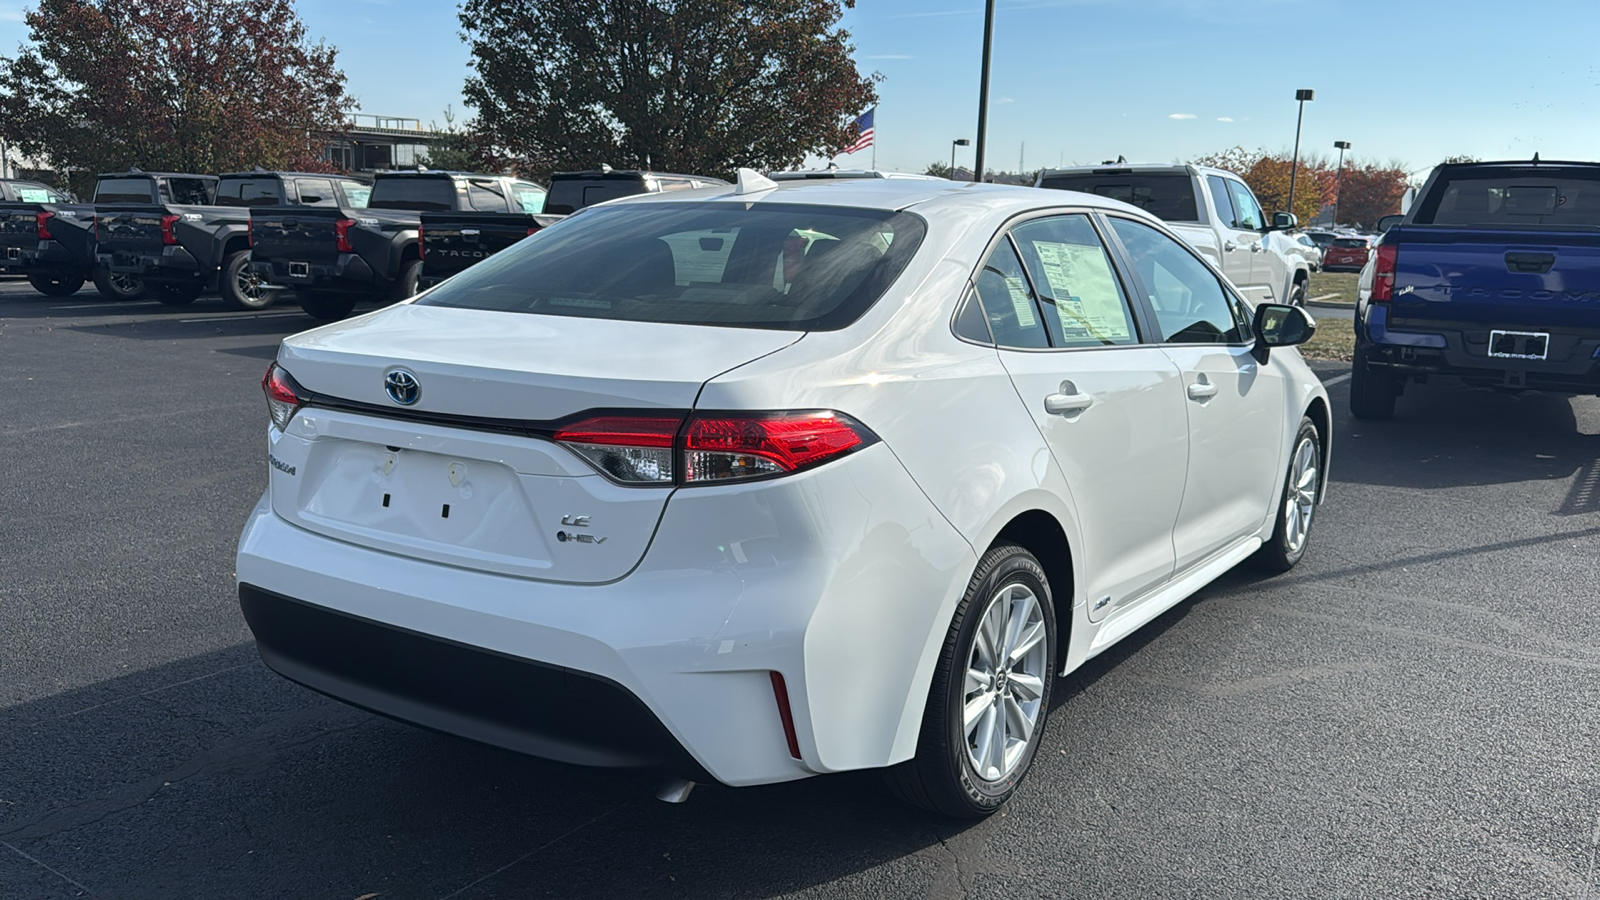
333 257
52 244
177 250
1492 278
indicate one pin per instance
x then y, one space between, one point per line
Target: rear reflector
1383 273
780 692
644 449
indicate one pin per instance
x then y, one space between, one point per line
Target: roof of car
258 173
428 173
136 173
890 194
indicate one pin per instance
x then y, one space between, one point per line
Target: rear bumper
348 274
172 264
48 258
1414 347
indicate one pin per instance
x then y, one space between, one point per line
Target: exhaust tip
675 790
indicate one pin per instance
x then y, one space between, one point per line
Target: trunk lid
1496 277
467 475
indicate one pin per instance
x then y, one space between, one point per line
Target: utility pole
1301 95
983 91
1338 185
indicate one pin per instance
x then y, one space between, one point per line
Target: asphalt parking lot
1414 711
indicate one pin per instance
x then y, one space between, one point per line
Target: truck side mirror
1284 221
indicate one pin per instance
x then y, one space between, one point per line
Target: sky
1081 81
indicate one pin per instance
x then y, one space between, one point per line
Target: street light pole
1338 185
1301 95
983 91
958 142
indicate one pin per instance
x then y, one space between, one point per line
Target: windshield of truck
249 192
776 266
1168 197
1521 197
125 190
409 192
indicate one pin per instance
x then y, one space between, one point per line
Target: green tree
460 149
694 86
186 85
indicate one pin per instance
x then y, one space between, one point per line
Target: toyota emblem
402 387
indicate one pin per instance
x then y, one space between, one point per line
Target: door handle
1068 401
1256 247
1202 390
1230 246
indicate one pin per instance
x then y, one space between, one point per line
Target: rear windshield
782 267
249 192
1349 242
570 195
1169 197
125 190
1520 198
407 192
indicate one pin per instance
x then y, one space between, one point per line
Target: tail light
41 221
422 251
250 232
341 234
1383 273
284 396
711 448
533 228
167 235
95 225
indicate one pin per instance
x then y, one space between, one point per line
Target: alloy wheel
1301 501
1002 701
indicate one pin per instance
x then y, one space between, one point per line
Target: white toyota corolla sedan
758 482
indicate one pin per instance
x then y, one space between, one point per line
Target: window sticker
33 195
1085 291
1021 302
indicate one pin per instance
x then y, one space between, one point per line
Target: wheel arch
1041 534
234 244
1317 412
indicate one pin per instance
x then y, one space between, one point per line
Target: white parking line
91 306
1339 380
226 318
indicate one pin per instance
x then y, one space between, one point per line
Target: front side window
1190 303
1246 211
190 191
1008 301
356 195
527 198
316 192
38 195
249 192
486 196
1079 295
1220 199
698 264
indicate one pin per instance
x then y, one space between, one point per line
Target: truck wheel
405 287
327 306
55 287
242 288
1372 392
118 285
1297 297
175 294
990 694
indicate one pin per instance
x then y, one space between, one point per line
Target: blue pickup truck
1492 277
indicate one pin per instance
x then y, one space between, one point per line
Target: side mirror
1279 325
1388 222
1284 221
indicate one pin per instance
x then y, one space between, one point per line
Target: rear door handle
1068 401
1202 390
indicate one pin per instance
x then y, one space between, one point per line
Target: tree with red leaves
182 85
701 87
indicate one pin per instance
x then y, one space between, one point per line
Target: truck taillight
250 232
284 396
422 251
646 449
1383 273
41 221
167 235
94 225
341 234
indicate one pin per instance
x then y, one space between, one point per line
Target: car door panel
1237 255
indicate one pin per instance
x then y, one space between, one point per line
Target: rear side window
1008 301
1220 199
316 192
773 266
1169 197
1350 242
527 198
124 190
190 191
249 192
1514 197
410 192
487 196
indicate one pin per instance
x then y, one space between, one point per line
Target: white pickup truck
1211 209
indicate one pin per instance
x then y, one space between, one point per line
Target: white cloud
1224 119
1181 116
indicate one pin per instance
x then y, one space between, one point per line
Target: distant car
1346 254
1323 239
1303 246
759 483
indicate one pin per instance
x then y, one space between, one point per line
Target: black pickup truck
336 257
45 237
450 242
185 234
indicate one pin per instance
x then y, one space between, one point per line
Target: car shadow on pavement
1445 436
212 776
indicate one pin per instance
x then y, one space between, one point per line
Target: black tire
239 288
1372 391
56 287
118 286
327 306
1297 296
405 287
1286 547
942 776
175 294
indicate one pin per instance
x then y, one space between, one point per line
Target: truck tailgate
294 234
129 228
452 241
1497 277
19 228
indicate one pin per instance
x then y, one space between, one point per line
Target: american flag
864 124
